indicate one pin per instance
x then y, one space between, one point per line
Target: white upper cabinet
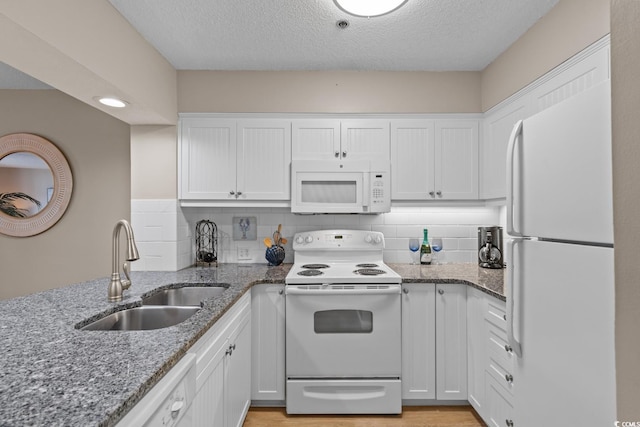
434 159
357 139
263 160
234 160
316 139
207 158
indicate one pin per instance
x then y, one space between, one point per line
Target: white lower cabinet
490 377
268 345
434 336
223 369
451 342
418 341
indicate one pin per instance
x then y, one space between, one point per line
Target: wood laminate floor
414 416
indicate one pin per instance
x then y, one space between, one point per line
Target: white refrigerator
560 277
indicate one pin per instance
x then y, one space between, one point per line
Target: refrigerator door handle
511 297
517 131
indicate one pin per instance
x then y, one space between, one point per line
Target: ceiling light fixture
112 102
369 8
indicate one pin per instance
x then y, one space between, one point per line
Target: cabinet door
418 339
412 151
451 342
456 159
497 129
267 343
209 403
476 348
365 139
263 160
315 139
499 404
207 159
238 373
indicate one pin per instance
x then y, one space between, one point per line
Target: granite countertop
54 374
490 281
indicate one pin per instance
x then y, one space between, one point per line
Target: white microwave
340 186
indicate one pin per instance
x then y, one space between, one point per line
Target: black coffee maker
490 247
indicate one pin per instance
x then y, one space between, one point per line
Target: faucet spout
117 285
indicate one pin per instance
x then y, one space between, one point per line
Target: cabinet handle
238 194
232 347
508 348
175 408
232 192
228 352
344 154
441 291
432 193
281 291
509 378
405 290
504 316
337 154
509 423
439 193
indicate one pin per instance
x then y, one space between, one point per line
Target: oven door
343 331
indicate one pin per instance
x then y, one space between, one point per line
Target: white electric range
343 325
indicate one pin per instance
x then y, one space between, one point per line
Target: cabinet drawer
498 347
502 374
499 404
497 313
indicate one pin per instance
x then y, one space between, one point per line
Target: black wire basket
206 243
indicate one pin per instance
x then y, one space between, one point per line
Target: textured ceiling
432 35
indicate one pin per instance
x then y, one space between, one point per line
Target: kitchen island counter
55 374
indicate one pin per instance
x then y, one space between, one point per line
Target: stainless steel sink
142 318
185 296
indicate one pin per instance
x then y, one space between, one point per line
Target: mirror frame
62 184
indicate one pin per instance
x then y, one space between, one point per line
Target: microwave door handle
366 190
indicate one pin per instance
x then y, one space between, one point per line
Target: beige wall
625 67
87 49
567 29
328 92
96 145
154 162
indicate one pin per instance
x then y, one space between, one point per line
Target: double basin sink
162 309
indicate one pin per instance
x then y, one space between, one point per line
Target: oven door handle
292 290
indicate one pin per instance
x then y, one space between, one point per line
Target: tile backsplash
165 232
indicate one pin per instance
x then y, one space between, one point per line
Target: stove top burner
315 266
369 271
366 265
310 272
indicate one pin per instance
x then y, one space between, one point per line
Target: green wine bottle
425 249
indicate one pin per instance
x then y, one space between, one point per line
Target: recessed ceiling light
112 102
369 8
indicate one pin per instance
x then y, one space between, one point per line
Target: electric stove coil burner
369 271
310 273
366 265
315 266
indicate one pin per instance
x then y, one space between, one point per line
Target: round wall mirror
35 184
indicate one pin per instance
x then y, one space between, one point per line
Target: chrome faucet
117 285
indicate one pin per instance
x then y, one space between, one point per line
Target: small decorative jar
275 255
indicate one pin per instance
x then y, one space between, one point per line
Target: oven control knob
377 239
368 238
308 239
299 240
